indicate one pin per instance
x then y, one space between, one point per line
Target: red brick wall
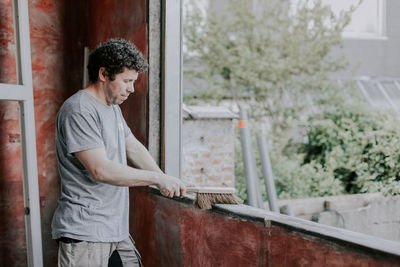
208 152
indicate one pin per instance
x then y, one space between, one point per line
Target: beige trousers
97 254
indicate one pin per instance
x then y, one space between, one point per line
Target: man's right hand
171 186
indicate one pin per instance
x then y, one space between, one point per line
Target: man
93 143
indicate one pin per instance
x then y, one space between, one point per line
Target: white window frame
172 86
382 17
23 93
381 32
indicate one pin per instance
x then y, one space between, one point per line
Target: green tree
275 58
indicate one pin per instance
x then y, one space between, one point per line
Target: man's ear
102 74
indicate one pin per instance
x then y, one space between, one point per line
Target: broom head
206 196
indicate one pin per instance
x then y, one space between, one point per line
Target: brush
206 196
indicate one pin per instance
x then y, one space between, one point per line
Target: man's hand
171 186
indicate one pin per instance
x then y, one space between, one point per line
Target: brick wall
208 147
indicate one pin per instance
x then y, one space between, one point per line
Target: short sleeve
127 130
81 132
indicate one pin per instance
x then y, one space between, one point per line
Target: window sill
364 37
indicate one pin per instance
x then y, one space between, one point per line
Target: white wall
372 214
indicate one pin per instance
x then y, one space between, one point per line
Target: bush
308 180
292 179
349 149
360 146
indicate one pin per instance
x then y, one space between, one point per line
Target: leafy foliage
351 149
277 60
271 59
360 147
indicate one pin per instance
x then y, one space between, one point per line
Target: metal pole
267 173
253 189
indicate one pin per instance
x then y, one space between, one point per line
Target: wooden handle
216 190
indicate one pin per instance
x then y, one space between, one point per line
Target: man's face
117 91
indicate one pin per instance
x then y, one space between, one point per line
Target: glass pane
8 69
365 19
12 224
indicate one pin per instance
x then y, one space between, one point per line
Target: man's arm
104 170
139 155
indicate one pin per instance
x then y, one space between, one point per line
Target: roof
207 112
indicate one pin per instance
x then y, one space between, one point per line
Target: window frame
381 31
23 93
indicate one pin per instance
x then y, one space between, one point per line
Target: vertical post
154 78
267 173
85 80
31 188
253 185
28 139
172 85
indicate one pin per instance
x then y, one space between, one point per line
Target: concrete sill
331 234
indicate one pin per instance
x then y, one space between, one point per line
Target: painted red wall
126 19
173 233
59 31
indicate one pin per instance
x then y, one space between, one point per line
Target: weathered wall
126 19
175 233
56 73
59 31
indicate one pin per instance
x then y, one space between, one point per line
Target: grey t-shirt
90 210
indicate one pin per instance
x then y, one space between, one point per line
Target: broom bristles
205 200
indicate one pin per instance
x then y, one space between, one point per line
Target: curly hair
115 55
